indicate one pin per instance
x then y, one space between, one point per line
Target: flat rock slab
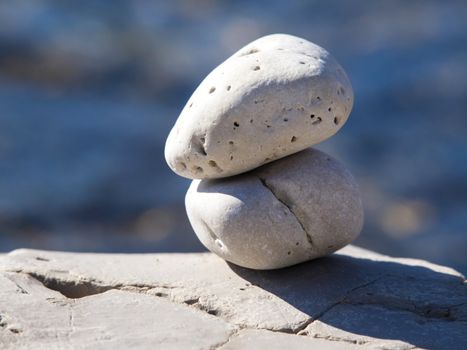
354 299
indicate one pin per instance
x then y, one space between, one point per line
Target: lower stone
295 209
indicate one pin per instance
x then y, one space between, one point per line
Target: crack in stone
302 327
333 305
438 312
281 200
20 289
75 290
87 287
339 339
231 335
434 313
71 320
427 314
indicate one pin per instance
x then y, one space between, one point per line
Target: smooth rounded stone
276 96
298 208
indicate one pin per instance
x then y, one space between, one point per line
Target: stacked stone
261 198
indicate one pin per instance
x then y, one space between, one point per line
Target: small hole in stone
228 88
268 126
312 116
286 120
41 258
249 52
329 109
242 288
301 62
213 312
191 105
293 139
288 253
197 169
257 68
231 142
336 121
342 90
212 163
297 243
317 121
280 49
318 98
211 90
267 159
236 124
197 143
182 165
159 294
251 120
231 157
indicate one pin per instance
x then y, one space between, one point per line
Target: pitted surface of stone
274 97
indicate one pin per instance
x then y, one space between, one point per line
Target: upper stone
274 97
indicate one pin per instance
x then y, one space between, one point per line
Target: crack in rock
440 313
71 320
289 207
333 305
19 288
231 335
85 287
339 339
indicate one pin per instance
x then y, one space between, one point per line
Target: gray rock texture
276 96
354 299
295 209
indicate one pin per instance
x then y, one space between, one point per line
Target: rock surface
276 96
295 209
354 299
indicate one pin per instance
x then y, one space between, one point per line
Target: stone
352 299
274 97
298 208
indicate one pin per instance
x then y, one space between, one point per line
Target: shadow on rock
356 299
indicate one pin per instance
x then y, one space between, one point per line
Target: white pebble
276 96
298 208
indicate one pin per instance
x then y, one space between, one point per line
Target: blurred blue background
90 89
